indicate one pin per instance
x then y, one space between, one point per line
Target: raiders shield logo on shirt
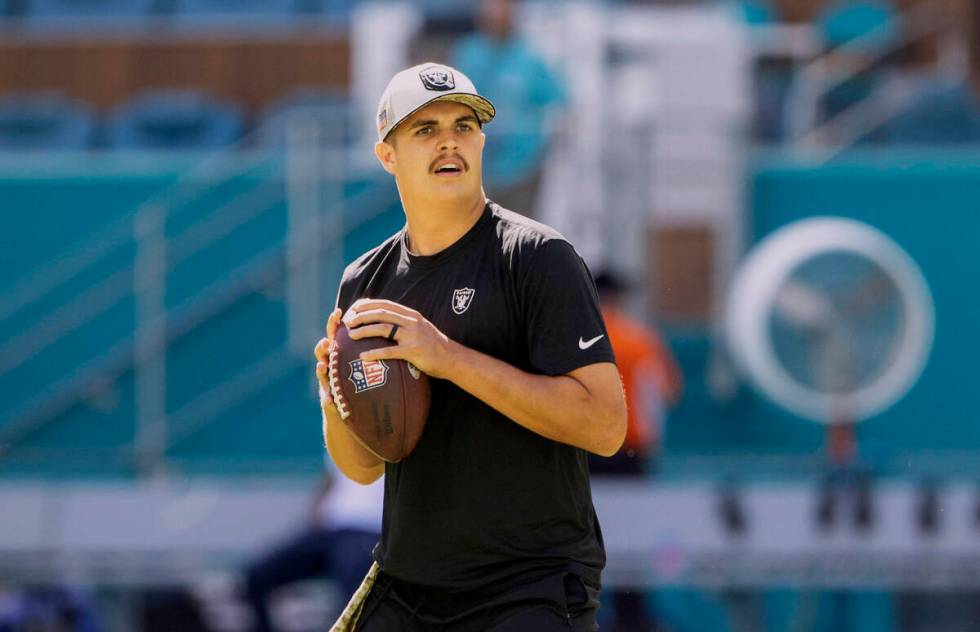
462 299
437 78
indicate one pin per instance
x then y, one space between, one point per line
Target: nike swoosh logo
583 344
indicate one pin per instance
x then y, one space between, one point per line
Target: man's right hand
322 353
351 458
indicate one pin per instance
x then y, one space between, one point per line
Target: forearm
350 457
584 408
560 408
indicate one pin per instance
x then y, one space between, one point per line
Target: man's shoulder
520 234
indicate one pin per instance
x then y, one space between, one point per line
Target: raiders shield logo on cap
437 78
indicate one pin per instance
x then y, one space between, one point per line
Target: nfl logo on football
367 375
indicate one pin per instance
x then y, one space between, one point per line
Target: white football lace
335 392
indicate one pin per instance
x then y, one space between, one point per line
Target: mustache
457 157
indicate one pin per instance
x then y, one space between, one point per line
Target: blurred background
780 198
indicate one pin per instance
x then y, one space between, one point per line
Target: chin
454 188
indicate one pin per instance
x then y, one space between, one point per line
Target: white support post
149 279
303 176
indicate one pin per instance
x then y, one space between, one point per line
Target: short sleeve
343 293
565 330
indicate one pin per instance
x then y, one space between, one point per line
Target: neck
433 227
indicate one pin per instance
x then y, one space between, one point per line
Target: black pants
560 602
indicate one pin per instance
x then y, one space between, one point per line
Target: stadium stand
869 21
44 121
332 109
261 11
174 119
943 114
73 9
858 30
756 11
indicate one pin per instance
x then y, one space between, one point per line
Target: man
488 524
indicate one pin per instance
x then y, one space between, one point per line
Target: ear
386 156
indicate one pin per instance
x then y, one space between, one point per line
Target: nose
447 141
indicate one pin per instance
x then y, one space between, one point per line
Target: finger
322 349
365 304
380 316
326 401
375 330
394 352
326 397
332 322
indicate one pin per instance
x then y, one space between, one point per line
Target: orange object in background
651 378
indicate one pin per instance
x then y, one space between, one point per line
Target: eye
464 127
422 131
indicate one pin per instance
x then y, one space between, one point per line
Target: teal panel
930 206
929 203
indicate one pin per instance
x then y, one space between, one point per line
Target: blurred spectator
169 608
529 98
651 381
46 608
337 543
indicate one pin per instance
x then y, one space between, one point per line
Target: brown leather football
384 402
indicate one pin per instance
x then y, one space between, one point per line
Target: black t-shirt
482 499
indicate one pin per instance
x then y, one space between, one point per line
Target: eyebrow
467 117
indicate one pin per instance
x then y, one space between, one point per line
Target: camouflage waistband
348 618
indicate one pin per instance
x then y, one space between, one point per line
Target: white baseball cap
414 88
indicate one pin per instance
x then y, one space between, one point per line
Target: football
385 403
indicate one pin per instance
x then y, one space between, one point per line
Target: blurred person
530 95
651 381
46 608
343 526
489 523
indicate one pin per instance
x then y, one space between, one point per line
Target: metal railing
315 229
861 55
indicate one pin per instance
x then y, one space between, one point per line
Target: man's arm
350 457
584 408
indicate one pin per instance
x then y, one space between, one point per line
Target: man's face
436 153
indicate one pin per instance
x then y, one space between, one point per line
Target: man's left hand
418 341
